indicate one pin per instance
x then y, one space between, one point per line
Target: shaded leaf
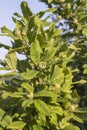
5 46
26 10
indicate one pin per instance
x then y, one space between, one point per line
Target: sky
7 8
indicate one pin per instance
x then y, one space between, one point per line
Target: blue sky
7 8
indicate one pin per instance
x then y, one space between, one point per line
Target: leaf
17 94
1 114
78 119
30 74
49 1
71 127
57 75
8 32
16 125
6 121
26 10
8 75
42 107
28 87
35 52
85 69
11 60
84 31
37 127
22 65
45 94
5 46
82 81
56 109
54 119
49 53
27 103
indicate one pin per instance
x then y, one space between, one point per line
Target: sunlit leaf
71 127
30 74
42 107
35 52
16 125
11 61
8 32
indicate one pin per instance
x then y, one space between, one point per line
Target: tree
39 92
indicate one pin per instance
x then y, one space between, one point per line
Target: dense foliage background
47 90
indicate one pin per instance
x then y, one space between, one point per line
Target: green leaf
27 103
78 119
30 74
8 75
17 94
56 109
71 127
11 60
84 31
28 87
1 114
5 46
35 52
82 81
16 125
6 121
49 1
45 94
54 119
22 65
49 53
85 69
8 32
37 127
42 107
26 10
57 75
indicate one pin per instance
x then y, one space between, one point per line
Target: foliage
39 92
